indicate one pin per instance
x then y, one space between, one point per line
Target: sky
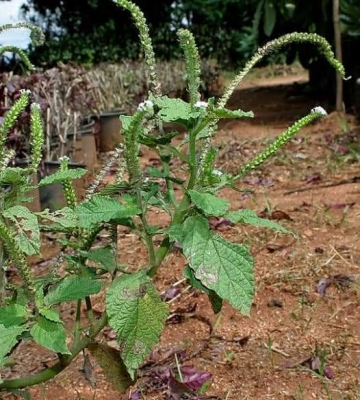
9 13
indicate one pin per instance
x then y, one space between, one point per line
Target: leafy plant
134 309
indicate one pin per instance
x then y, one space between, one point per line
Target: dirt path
294 334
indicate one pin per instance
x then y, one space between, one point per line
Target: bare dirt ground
297 343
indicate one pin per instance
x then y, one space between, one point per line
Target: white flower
36 106
145 105
25 91
217 172
319 110
64 158
200 104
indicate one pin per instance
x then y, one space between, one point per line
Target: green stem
51 372
77 329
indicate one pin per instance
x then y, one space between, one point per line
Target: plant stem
51 372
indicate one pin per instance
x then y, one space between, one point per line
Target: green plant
220 269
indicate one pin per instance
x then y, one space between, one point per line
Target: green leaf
49 314
174 110
113 366
223 113
175 233
8 339
12 315
154 141
209 204
27 226
223 267
60 176
103 209
103 256
50 335
71 289
18 392
137 314
269 17
215 300
250 217
64 217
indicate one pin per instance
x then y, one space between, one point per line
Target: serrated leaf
103 209
223 113
64 217
49 314
209 204
50 335
60 176
12 315
71 289
8 339
250 217
27 227
103 256
137 314
175 233
215 300
113 366
223 267
174 110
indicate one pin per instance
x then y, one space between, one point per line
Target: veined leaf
250 217
103 209
8 339
72 288
60 176
28 232
51 335
113 366
103 256
137 314
215 300
209 204
12 315
174 110
49 314
64 217
223 267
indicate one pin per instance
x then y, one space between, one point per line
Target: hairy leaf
64 217
103 256
60 176
103 209
209 204
215 300
51 335
223 267
137 314
8 339
49 314
72 288
250 217
113 366
174 110
28 232
12 315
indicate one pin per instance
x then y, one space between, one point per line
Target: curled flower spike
146 105
319 110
